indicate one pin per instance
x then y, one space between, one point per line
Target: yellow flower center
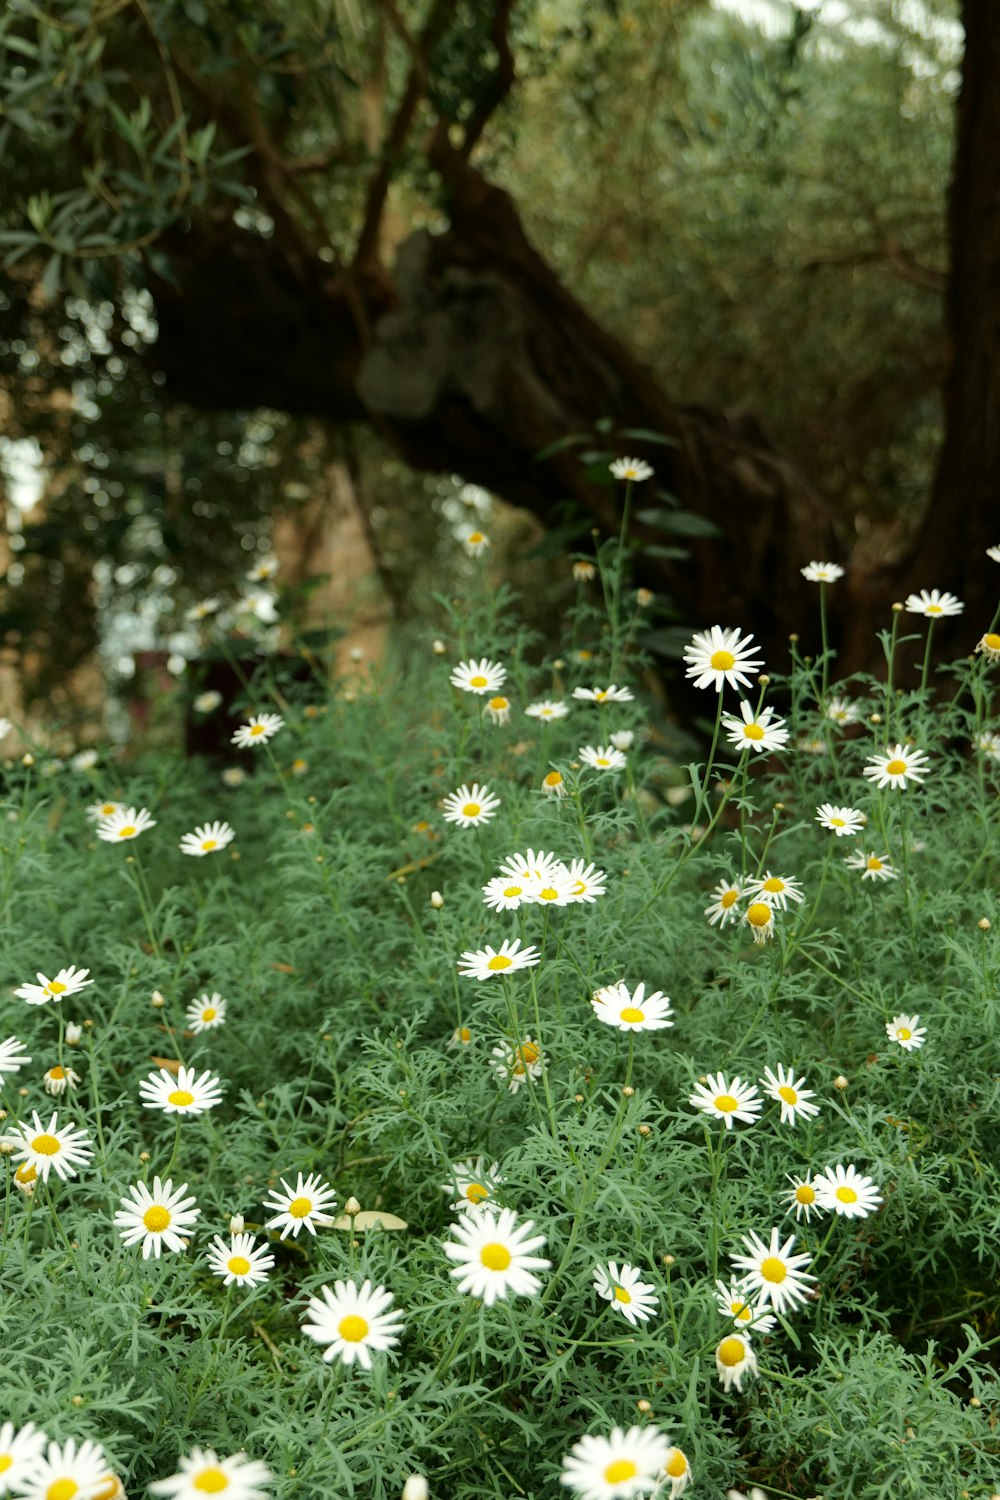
352 1329
479 681
498 704
62 1489
933 609
495 1257
845 1194
759 914
992 641
789 1095
602 760
57 1073
722 661
5 1462
528 1053
753 732
300 1208
774 1270
874 863
513 890
728 899
256 729
108 809
741 1312
475 537
731 1352
499 961
181 1097
46 1145
677 1464
464 1034
553 779
600 694
838 823
209 1013
805 1194
548 893
210 1482
896 767
774 884
471 810
726 1103
620 1470
238 1264
633 1014
621 1295
156 1218
25 1173
209 844
56 987
476 1193
904 1033
128 832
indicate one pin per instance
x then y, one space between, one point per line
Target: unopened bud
643 1405
666 1260
27 759
76 1400
415 1488
840 1082
897 608
645 1130
352 1206
439 648
157 1001
73 1034
628 1091
437 900
984 924
144 1156
236 1224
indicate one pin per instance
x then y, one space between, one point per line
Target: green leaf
51 278
644 435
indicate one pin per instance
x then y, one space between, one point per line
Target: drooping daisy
584 570
183 1095
678 1470
896 767
65 1471
239 1261
777 1276
843 711
847 1192
802 1198
99 812
492 1255
553 784
734 1358
207 839
588 881
19 1451
127 823
207 702
12 1057
610 694
497 709
160 1219
58 1079
755 731
776 890
933 604
480 677
205 1013
520 1064
845 822
615 1006
475 543
505 893
788 1091
628 1294
724 907
67 982
822 572
733 1302
48 1149
872 866
718 656
635 469
759 917
616 1467
472 1184
547 709
258 729
905 1031
203 1473
302 1207
487 963
602 757
353 1322
727 1101
470 806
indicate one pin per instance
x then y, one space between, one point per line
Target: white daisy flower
505 893
493 1255
487 963
303 1207
266 568
759 917
989 646
470 806
206 702
727 1101
127 823
84 760
615 1006
547 709
628 1294
802 1198
724 906
617 1467
905 1031
206 1013
207 839
65 1472
602 757
734 1358
755 731
58 1079
183 1095
932 604
611 694
12 1057
353 1322
161 1219
588 881
845 822
258 729
553 784
776 890
497 709
258 604
519 1064
822 572
622 739
678 1470
733 1302
475 542
845 1191
238 1261
472 1184
480 677
993 553
872 866
19 1450
47 1148
67 982
203 1473
556 888
896 766
773 1272
718 656
788 1091
843 711
989 744
533 866
202 610
99 812
635 469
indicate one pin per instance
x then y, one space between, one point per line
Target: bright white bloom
843 711
717 656
127 823
727 1101
207 839
202 610
58 1079
204 1473
615 1006
205 1013
822 572
678 1470
733 1302
475 542
724 905
788 1091
932 604
635 469
480 677
472 1184
84 760
19 1450
48 1149
65 1472
993 553
183 1095
734 1358
905 1031
303 1207
533 866
776 890
505 892
497 709
989 744
872 866
488 962
258 730
602 757
802 1198
989 646
259 604
470 806
556 888
518 1064
622 739
755 731
239 1261
492 1255
616 1467
612 694
773 1272
759 917
628 1294
847 1192
353 1322
12 1057
99 812
161 1219
895 766
588 881
845 822
67 982
547 708
206 702
261 571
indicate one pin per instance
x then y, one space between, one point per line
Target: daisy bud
437 900
644 598
157 1001
352 1207
578 1098
27 759
415 1488
73 1034
666 1260
763 679
645 1130
76 1400
897 609
643 1405
793 637
840 1082
984 924
144 1156
439 648
7 1146
236 1224
628 1091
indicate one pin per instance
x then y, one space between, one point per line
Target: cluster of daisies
33 1467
